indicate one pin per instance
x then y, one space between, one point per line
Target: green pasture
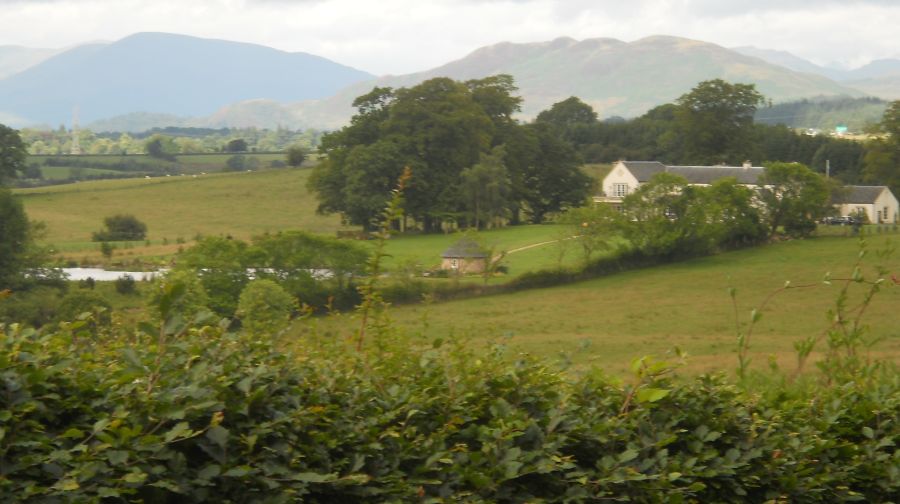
527 247
187 163
178 208
65 172
610 321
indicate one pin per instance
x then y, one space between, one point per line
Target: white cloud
400 36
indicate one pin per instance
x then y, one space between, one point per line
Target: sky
404 36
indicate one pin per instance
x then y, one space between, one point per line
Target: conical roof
465 247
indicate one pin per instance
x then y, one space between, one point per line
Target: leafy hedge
209 415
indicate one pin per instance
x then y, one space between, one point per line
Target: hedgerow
211 415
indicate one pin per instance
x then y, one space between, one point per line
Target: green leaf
245 384
628 455
218 435
67 485
209 472
69 434
117 457
135 477
181 429
868 432
651 394
237 472
310 477
99 425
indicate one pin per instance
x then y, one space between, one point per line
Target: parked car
845 220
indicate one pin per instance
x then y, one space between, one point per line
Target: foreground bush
191 415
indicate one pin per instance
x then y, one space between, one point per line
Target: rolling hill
615 77
165 74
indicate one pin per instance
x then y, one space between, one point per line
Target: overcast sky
402 36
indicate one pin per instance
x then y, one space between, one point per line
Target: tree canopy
714 121
882 159
442 129
13 238
12 154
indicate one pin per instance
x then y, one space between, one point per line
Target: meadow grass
543 246
177 208
64 172
609 321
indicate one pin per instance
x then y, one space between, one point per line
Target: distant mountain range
165 74
154 79
880 78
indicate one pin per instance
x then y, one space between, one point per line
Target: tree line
714 124
474 165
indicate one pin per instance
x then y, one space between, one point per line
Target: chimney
747 164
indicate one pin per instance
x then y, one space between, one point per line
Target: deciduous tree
714 121
794 198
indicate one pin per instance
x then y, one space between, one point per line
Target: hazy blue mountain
792 62
14 59
165 74
879 78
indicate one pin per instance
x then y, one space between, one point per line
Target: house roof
643 171
709 174
465 247
860 195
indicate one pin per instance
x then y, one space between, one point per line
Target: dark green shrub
35 307
125 284
78 302
121 227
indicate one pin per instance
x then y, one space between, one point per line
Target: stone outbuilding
465 256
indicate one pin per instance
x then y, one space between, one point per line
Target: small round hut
465 256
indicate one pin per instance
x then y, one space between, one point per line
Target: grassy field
610 321
528 247
177 209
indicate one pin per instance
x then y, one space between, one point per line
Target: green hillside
825 113
609 321
179 207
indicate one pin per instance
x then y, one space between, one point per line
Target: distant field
612 320
178 207
187 163
64 172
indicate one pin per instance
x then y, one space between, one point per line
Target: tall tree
570 118
12 154
714 122
550 179
486 189
14 238
882 159
794 198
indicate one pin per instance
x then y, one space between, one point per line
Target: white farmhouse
877 202
626 176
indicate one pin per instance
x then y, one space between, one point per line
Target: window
620 190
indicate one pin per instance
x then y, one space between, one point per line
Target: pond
102 275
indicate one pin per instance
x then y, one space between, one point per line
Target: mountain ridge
615 77
166 73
